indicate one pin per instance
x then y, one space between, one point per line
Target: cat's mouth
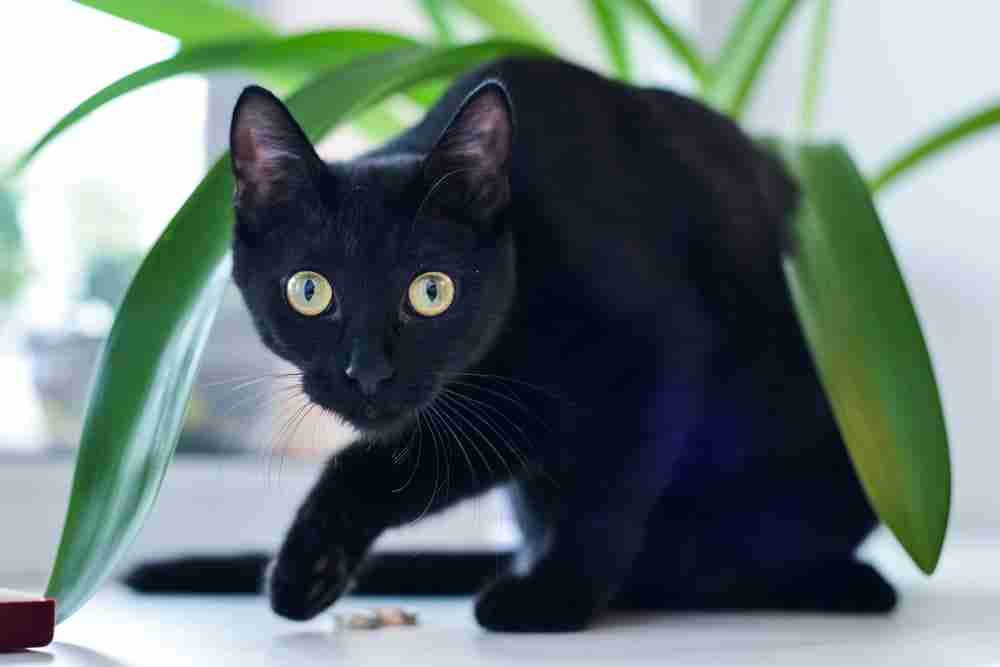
392 407
373 416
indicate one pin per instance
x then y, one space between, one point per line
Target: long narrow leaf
744 53
866 341
741 27
136 403
608 20
378 123
190 21
818 38
437 14
505 19
673 39
426 93
197 22
298 55
937 143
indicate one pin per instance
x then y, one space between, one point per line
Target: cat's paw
315 566
300 595
850 587
532 604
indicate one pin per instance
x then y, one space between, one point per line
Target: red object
25 621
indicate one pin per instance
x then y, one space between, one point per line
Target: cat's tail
383 573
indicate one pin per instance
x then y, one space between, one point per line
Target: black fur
622 350
383 573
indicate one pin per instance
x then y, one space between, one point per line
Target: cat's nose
368 366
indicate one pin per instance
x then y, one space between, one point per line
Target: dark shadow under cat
564 284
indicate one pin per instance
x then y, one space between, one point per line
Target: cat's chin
381 423
379 428
374 417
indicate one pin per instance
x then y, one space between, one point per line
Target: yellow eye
309 293
431 293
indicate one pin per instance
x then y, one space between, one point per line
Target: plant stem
505 19
608 21
675 40
818 41
937 142
437 14
745 52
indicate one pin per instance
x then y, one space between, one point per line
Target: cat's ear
468 166
273 160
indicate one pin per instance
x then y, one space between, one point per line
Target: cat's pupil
309 289
432 290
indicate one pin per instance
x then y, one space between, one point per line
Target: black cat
566 284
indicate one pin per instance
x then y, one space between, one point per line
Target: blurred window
93 202
89 207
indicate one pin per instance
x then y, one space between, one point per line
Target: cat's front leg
366 488
595 528
330 535
586 561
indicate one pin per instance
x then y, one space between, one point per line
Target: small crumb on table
373 619
396 616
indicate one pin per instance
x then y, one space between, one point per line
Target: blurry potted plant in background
876 371
13 265
103 242
26 432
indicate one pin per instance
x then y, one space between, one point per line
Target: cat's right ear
273 160
467 168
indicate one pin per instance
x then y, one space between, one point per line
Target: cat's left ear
273 160
467 169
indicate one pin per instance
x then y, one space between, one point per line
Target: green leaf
673 39
378 123
190 21
608 20
505 19
866 341
437 13
818 38
138 396
288 59
937 143
426 93
137 400
746 48
217 22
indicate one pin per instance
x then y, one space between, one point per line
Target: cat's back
644 185
571 124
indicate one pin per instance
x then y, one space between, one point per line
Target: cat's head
376 277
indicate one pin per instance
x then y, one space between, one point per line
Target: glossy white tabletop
952 619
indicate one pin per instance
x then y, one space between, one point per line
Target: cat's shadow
306 640
83 655
28 657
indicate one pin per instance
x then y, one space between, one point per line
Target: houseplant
876 371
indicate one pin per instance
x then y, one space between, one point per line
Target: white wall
896 69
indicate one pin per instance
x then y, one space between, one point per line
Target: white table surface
952 619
